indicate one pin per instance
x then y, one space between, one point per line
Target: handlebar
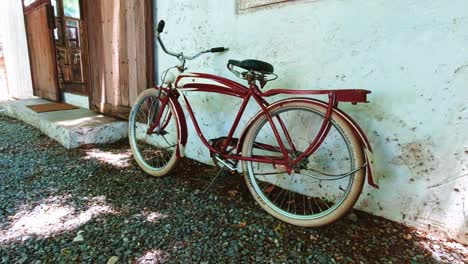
161 25
218 49
180 55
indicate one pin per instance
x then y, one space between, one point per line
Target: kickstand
214 178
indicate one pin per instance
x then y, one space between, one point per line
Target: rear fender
354 126
181 126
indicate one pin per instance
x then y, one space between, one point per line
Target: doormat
41 108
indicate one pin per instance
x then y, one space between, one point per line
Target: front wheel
154 151
324 186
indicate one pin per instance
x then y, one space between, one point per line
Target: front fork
163 98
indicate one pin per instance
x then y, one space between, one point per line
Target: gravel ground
94 205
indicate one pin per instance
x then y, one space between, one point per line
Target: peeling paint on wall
418 157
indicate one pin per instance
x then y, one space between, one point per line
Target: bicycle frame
186 82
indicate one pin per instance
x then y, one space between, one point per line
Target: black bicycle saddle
253 65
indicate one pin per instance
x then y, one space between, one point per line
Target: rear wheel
323 186
154 151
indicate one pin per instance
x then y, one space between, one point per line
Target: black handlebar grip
219 49
161 25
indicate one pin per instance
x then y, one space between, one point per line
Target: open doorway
70 43
57 47
93 54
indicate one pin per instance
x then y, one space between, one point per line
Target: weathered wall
16 49
413 55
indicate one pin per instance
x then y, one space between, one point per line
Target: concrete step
71 128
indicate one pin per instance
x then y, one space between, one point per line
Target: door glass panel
73 23
71 8
58 32
76 75
73 33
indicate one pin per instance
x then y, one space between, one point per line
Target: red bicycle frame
186 82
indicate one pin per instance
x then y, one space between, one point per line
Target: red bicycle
304 160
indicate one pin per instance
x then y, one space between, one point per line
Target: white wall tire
355 187
171 161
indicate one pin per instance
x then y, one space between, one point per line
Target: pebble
113 260
352 216
78 238
276 242
192 228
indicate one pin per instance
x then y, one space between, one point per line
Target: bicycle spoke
283 199
278 195
315 201
310 205
266 186
263 189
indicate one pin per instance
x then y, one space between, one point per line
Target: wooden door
39 22
120 48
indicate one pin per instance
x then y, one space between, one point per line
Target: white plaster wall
15 46
412 55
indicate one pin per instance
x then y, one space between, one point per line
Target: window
71 8
248 4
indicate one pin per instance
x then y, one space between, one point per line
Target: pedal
227 163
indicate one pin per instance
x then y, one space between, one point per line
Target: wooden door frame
149 32
26 10
84 49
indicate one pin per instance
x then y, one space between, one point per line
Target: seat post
250 77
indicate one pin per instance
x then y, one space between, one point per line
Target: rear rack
353 96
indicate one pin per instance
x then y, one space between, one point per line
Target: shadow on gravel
94 203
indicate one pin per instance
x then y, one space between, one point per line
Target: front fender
181 126
355 127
